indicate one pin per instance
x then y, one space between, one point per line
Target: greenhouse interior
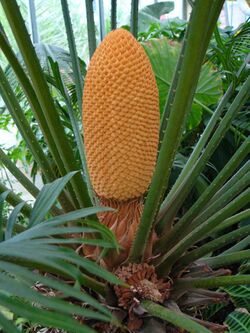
124 166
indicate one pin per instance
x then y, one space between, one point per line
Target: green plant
173 29
229 48
47 55
163 54
152 13
189 259
42 243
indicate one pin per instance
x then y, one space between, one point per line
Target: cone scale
121 128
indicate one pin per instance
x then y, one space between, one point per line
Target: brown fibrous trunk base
123 222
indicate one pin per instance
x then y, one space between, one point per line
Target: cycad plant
60 264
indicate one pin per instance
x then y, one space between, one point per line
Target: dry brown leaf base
123 222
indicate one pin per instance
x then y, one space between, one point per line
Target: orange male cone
121 127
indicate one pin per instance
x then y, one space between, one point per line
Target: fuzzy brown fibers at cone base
144 284
121 131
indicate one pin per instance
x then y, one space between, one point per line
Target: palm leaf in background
240 296
163 56
152 13
238 322
229 49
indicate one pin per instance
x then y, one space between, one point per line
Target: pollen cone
121 126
